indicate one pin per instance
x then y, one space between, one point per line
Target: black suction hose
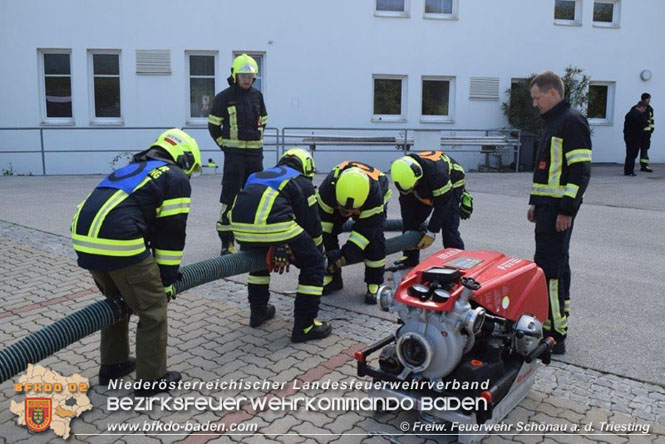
74 327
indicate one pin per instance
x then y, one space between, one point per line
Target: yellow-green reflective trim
460 183
115 199
108 247
314 324
311 200
556 161
327 227
458 167
361 241
571 190
309 289
258 280
376 264
220 141
264 119
168 257
443 190
554 306
215 120
265 205
547 325
233 122
171 207
243 236
318 240
578 155
265 228
235 143
643 160
371 212
539 189
325 207
327 279
387 196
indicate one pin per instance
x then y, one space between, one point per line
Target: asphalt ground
616 254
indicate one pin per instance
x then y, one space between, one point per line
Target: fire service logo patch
38 413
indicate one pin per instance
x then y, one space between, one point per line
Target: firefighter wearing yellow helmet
236 123
276 212
430 182
130 234
359 191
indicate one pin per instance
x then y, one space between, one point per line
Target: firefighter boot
332 283
316 330
260 315
370 296
113 371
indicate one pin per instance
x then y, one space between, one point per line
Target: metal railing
496 142
492 142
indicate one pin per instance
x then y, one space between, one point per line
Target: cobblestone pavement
210 339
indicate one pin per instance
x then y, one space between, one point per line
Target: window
260 60
600 108
441 9
389 98
392 8
56 88
201 84
105 86
606 13
568 12
437 99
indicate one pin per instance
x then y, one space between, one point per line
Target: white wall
320 57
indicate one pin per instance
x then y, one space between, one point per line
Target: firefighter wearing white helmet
236 123
130 234
359 191
430 182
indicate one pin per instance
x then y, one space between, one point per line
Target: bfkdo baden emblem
38 413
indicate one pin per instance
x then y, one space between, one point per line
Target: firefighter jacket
650 128
237 120
563 162
140 207
368 219
435 187
275 206
634 125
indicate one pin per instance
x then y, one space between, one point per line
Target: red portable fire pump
465 317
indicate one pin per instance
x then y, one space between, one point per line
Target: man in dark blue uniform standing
563 169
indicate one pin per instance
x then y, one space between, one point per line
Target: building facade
88 73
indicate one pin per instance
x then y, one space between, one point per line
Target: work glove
170 292
466 205
334 261
426 240
278 258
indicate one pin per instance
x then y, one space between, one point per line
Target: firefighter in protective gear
430 182
645 143
359 191
236 123
563 170
130 234
276 213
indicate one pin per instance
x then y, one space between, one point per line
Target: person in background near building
139 209
645 142
359 191
236 123
634 129
430 182
276 213
563 170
